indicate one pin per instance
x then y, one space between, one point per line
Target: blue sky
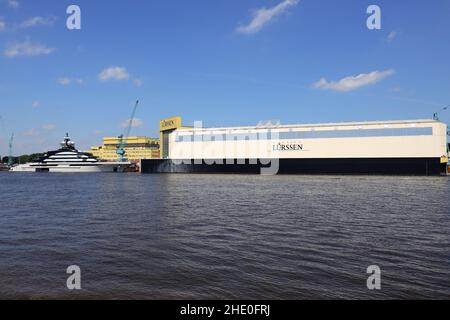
228 63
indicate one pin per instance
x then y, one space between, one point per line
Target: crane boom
124 137
10 157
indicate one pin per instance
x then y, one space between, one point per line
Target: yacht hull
63 168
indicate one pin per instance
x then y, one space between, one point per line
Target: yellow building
136 148
166 127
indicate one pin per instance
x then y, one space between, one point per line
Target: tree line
23 158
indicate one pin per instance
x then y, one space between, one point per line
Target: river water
223 236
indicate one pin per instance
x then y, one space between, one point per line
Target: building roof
339 124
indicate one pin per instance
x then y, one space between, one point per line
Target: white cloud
114 73
35 104
64 81
262 16
13 4
37 21
49 126
353 82
391 36
68 81
135 124
27 48
31 133
138 82
2 25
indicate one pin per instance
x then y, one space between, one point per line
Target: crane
436 114
10 157
124 137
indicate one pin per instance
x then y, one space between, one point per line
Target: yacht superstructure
69 159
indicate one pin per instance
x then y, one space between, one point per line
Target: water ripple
223 236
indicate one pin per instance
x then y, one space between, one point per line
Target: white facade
382 139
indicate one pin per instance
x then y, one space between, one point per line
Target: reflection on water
223 236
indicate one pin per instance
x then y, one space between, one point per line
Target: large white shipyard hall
377 147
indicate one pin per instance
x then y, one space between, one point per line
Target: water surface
223 236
